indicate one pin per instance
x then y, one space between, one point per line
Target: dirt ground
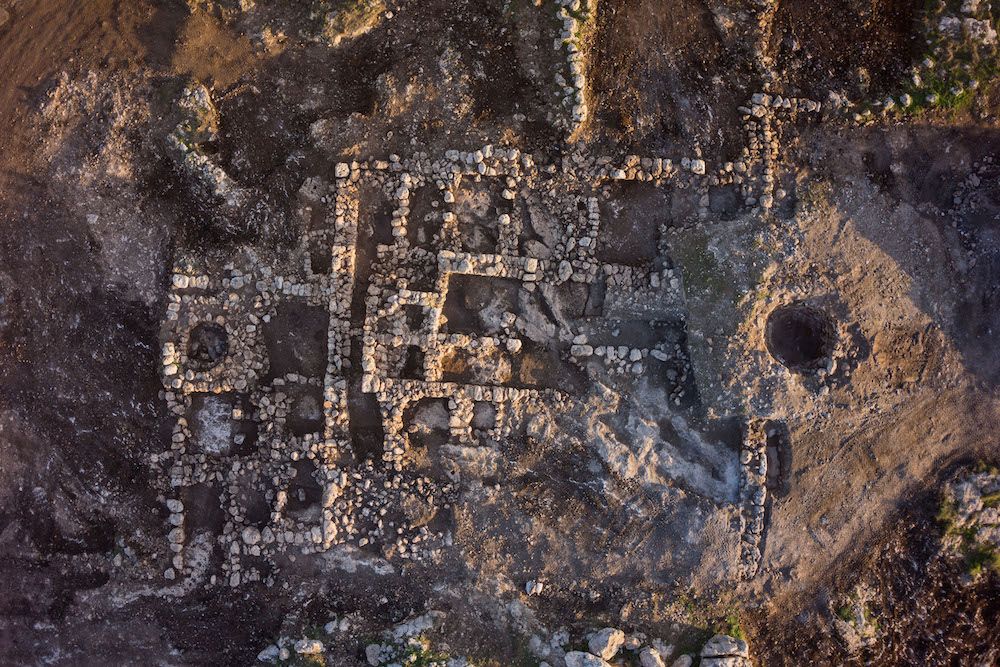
625 502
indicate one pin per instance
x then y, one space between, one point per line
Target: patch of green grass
944 87
991 499
731 626
968 536
702 622
872 619
941 89
701 270
947 515
816 195
845 613
984 468
691 608
980 557
420 656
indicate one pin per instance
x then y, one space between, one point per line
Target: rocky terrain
528 332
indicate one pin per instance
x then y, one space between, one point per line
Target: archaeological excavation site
548 333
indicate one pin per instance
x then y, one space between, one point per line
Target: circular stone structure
800 337
207 345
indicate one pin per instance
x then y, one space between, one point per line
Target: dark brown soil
654 87
42 39
928 610
859 45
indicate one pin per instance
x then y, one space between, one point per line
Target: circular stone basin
207 345
801 337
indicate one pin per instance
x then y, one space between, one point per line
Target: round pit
207 345
800 337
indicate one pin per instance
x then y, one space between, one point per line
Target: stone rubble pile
972 510
408 643
611 647
199 125
962 53
753 496
725 651
571 86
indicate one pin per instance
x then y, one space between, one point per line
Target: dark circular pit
801 337
207 345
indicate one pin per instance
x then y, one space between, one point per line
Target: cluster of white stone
960 39
200 125
753 496
573 257
725 651
976 24
973 501
243 300
623 359
408 643
386 332
763 121
967 198
571 85
407 276
609 646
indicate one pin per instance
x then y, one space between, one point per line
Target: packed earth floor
528 332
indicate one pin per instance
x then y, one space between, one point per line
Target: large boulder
725 651
582 659
606 643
